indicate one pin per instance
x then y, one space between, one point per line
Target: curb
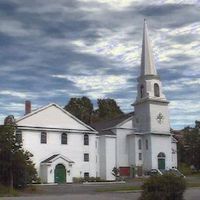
103 183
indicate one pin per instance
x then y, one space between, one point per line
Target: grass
120 189
193 184
6 191
195 175
190 183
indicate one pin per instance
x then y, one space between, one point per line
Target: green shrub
98 179
78 180
166 187
88 179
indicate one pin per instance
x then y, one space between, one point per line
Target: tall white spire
147 59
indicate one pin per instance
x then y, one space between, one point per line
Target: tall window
86 157
43 137
64 138
147 144
141 91
18 136
156 90
140 156
86 139
140 144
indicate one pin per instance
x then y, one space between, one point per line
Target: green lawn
120 189
192 181
5 191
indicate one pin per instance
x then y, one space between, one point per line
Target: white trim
55 129
111 136
56 158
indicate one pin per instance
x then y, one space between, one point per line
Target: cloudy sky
52 50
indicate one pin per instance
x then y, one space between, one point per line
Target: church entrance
161 161
60 174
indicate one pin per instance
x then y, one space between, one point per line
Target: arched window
139 144
156 90
161 155
141 91
86 139
43 137
64 138
18 136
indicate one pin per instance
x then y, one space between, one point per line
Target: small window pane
19 137
43 138
141 91
64 138
140 144
86 139
86 157
147 145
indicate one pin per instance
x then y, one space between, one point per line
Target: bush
89 179
78 180
166 187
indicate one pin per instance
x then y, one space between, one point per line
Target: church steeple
147 59
149 84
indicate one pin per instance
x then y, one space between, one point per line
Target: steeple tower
149 84
147 59
151 105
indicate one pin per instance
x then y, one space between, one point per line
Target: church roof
147 58
104 127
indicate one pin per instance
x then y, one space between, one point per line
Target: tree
189 146
81 108
107 109
16 167
192 145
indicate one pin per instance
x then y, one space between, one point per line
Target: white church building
64 148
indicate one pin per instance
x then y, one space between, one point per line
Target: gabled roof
55 157
104 127
58 107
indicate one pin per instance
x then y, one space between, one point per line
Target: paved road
89 192
102 196
82 188
191 194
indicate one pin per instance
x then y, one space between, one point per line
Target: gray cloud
40 40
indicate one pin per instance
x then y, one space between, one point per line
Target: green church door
161 163
60 174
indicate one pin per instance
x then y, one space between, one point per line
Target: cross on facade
160 118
